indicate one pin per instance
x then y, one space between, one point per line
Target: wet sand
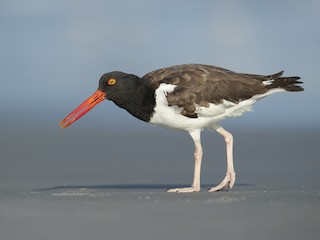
59 186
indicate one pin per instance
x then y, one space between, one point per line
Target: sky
54 51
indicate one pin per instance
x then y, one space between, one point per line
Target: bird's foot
184 190
226 184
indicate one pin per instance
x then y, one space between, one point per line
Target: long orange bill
84 107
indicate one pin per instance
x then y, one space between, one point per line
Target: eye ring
111 82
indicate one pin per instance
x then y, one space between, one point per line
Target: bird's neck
138 99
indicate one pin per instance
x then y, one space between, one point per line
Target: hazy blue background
53 53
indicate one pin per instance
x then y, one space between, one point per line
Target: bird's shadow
127 186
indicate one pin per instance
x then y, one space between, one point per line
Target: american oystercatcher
189 97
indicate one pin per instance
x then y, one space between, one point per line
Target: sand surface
60 186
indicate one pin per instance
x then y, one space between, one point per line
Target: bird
190 98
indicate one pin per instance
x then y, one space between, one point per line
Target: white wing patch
268 82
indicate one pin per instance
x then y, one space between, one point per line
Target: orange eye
111 81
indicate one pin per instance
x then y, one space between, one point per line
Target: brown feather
201 85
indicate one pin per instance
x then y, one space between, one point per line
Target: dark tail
287 83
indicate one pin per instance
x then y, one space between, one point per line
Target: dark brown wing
201 85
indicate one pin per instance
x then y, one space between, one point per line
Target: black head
116 86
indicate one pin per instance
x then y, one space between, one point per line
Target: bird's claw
184 190
226 184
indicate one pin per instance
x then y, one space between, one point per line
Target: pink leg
197 166
230 178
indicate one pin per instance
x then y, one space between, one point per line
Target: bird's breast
170 116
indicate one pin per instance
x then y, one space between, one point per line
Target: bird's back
201 85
